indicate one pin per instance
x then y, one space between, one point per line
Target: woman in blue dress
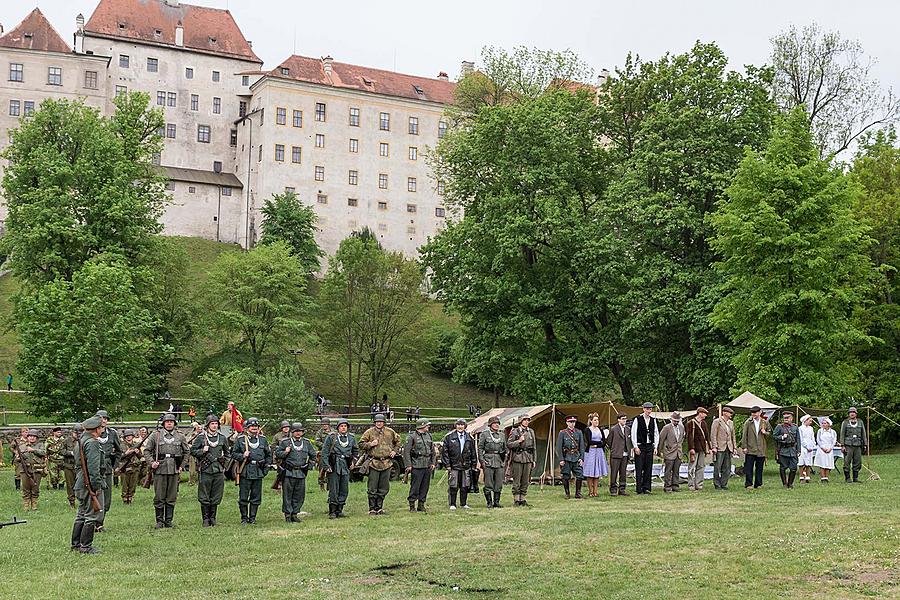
594 459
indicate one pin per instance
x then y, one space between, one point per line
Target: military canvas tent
743 403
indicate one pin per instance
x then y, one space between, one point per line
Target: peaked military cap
102 414
422 423
92 423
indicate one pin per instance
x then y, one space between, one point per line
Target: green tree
794 263
85 342
287 219
257 299
216 388
281 395
373 315
79 185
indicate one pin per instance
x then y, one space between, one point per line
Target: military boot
487 497
497 500
578 484
855 480
566 488
252 513
372 509
412 506
18 484
87 540
791 477
76 535
212 514
287 518
204 512
160 517
26 504
847 476
340 511
244 519
34 502
421 507
170 514
783 475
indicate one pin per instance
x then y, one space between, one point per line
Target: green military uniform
280 436
338 453
522 445
255 468
55 445
70 447
210 450
89 485
321 435
144 471
112 452
419 456
297 456
492 456
31 465
129 467
380 445
852 439
167 449
570 448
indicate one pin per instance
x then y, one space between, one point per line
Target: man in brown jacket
753 443
723 445
697 433
619 444
381 444
670 440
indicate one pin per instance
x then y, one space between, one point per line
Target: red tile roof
35 33
376 81
206 29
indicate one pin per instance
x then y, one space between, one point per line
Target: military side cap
92 423
379 417
460 422
787 413
422 423
128 432
252 422
647 405
211 419
325 421
102 414
285 424
493 420
168 417
33 432
298 427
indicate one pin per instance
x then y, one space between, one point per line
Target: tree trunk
496 397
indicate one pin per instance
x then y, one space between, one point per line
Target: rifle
25 469
149 480
86 476
11 523
127 460
237 476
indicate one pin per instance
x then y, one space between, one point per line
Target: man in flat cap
458 457
492 453
419 456
112 452
853 440
697 434
89 487
753 443
570 450
166 450
645 440
670 447
787 448
297 456
521 442
723 445
381 444
620 447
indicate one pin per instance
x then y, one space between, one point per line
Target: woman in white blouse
826 440
808 447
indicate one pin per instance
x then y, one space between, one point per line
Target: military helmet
325 421
211 418
379 417
285 424
92 423
344 422
298 426
251 422
102 414
33 432
168 417
422 423
79 428
493 420
128 432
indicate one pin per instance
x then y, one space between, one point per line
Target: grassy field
837 542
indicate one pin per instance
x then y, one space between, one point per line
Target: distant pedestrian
9 381
418 413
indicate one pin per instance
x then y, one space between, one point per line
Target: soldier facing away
30 463
166 450
338 453
522 445
70 446
112 451
297 456
381 444
89 487
209 449
420 458
252 452
492 455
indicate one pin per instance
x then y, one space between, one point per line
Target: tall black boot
87 539
340 510
212 514
856 476
170 514
578 484
204 512
783 473
412 506
791 477
566 488
243 509
252 513
332 510
451 493
487 497
497 500
19 483
421 506
76 534
160 517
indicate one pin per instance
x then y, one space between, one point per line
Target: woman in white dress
808 447
826 440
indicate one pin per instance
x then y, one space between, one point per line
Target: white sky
425 37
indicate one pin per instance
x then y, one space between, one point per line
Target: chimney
603 77
1 28
327 65
179 35
467 67
172 3
79 34
443 76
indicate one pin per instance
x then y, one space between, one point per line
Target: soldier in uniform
112 451
338 453
166 450
129 466
70 447
324 432
254 455
570 447
853 441
209 450
89 487
458 457
297 456
30 462
381 444
55 444
419 457
192 462
787 451
14 449
522 445
143 434
492 455
282 434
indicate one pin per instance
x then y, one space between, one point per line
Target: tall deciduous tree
287 219
257 299
793 258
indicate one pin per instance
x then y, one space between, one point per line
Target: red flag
237 419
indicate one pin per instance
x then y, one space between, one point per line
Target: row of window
164 98
153 67
439 211
384 148
16 108
54 75
384 119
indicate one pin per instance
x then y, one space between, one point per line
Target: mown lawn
837 541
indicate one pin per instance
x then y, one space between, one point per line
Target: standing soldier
419 458
853 441
252 452
112 451
297 456
521 443
143 434
192 462
283 434
166 450
55 444
321 435
570 447
492 454
209 449
458 457
338 453
30 462
787 448
14 449
129 466
70 448
89 487
381 445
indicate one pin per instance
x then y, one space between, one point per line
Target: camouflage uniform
55 446
130 467
522 444
70 447
380 446
321 435
31 465
276 441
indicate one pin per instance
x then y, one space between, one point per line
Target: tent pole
869 432
552 445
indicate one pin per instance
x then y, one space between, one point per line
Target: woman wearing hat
808 447
826 440
594 459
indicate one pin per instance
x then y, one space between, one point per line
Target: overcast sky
426 37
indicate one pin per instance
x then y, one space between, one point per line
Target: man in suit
644 439
458 457
670 440
697 433
570 448
619 444
723 444
753 443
